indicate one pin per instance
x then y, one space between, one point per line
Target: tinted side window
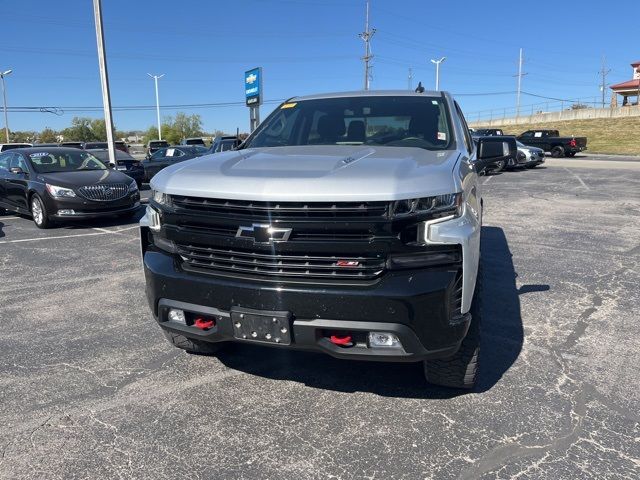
465 128
5 158
527 134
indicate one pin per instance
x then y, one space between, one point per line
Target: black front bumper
85 209
413 304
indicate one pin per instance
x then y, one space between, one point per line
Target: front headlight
60 192
437 206
133 186
153 219
161 198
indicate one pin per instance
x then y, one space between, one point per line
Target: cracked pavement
89 388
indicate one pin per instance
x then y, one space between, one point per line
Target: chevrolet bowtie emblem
264 233
251 78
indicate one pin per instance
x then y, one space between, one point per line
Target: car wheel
498 166
570 154
39 212
190 345
461 370
557 152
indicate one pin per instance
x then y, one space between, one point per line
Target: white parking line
579 179
487 180
9 218
101 231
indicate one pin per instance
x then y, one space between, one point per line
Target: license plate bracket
261 326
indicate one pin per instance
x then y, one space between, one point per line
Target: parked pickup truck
551 141
347 224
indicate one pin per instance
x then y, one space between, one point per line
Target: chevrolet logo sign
251 78
264 233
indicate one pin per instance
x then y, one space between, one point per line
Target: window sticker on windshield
537 134
434 102
39 154
287 105
442 136
170 152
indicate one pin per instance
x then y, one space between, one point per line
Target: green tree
79 131
99 130
48 136
185 126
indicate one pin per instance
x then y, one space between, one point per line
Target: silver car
347 224
529 157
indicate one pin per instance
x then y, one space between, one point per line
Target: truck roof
369 93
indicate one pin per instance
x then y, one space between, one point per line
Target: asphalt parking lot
91 389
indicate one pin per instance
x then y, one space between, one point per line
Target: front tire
461 370
190 345
39 212
498 166
570 154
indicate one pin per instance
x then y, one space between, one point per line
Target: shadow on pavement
501 344
1 232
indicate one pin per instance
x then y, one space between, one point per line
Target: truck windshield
390 121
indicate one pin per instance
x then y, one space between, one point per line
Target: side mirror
16 170
495 149
110 166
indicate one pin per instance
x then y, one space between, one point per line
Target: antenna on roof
419 88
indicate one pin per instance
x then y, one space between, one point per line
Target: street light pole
4 97
437 64
155 79
104 80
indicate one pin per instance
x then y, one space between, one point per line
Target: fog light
177 315
66 211
383 339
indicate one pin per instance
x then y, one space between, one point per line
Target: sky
304 46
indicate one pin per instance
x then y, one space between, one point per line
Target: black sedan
125 163
57 183
168 156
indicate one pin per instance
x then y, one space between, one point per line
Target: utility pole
4 97
104 80
410 79
437 64
520 75
604 72
155 78
366 37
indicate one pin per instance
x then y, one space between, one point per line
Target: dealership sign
253 87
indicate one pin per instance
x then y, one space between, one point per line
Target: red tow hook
204 323
341 340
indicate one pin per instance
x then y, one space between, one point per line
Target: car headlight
437 206
133 186
153 219
161 198
60 192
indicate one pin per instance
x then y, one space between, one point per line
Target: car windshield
103 155
67 161
390 121
520 144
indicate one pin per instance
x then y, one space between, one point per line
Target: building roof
625 85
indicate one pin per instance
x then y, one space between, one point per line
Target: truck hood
313 173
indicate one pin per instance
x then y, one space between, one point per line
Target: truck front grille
282 266
280 209
104 193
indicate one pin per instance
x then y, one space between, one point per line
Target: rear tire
498 166
557 152
190 345
39 212
461 370
570 154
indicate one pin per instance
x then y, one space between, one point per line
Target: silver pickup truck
347 223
